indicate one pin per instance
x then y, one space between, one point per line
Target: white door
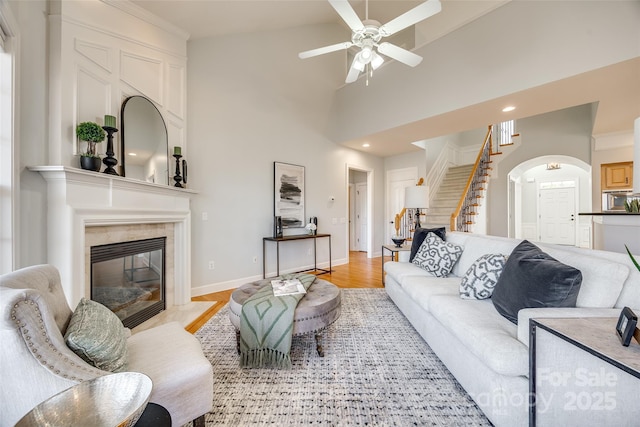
352 218
397 181
558 216
361 217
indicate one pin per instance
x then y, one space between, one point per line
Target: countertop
609 213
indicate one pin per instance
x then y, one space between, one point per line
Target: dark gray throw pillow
420 234
532 278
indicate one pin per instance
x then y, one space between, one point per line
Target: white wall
542 41
253 102
566 132
610 148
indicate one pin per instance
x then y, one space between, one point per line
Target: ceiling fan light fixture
376 61
366 53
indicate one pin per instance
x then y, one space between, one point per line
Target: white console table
580 374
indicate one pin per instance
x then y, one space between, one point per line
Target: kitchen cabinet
616 176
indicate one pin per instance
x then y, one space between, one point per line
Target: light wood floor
361 272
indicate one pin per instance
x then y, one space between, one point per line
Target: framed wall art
289 194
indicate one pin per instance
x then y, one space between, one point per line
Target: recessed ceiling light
132 154
365 145
509 108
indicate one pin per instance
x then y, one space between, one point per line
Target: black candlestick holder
177 178
110 161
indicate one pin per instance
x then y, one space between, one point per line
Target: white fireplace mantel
78 199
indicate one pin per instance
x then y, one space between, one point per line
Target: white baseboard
235 283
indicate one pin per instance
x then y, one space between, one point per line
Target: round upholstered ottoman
319 308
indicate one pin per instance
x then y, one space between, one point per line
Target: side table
295 237
394 254
581 375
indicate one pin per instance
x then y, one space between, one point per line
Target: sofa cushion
97 335
419 236
477 245
421 289
437 256
532 278
400 270
484 332
602 280
480 279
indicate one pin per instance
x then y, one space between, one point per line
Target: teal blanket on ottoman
266 325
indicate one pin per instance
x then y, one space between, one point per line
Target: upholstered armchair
35 362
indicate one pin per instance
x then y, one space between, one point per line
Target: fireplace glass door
129 279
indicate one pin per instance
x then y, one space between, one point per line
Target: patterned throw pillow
97 335
480 279
437 256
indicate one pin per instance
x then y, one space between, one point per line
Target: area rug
377 370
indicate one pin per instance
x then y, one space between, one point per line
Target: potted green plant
92 134
632 205
632 258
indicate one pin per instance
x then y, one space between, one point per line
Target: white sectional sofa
488 354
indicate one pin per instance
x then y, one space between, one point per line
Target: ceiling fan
367 35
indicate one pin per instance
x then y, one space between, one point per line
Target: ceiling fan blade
413 16
354 71
325 49
399 54
347 13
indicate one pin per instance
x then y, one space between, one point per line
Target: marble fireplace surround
111 207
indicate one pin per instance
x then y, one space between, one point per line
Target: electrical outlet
255 259
309 251
212 265
205 216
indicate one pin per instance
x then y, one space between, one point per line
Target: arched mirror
145 147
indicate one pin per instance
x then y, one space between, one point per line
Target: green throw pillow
97 335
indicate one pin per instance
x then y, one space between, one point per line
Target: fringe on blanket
264 358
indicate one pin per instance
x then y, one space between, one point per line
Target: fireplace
86 209
129 278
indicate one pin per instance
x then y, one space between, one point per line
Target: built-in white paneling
145 74
176 91
101 51
93 97
98 54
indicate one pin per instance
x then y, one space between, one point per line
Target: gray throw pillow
437 256
97 335
531 279
480 279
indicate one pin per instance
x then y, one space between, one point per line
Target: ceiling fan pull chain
366 75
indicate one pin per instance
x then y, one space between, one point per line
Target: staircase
457 200
447 196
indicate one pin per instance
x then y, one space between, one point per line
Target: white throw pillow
480 279
437 256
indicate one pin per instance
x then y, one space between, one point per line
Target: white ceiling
207 18
615 88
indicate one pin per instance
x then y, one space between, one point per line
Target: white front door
558 215
361 217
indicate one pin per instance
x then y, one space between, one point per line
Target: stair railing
469 200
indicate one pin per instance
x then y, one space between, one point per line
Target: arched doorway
545 196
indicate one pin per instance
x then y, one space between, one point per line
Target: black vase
91 163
